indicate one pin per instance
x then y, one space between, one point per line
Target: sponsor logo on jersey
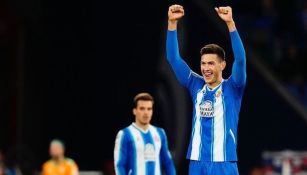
206 109
149 152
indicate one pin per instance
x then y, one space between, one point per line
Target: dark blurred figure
292 71
108 167
20 161
2 164
59 164
257 171
262 30
303 17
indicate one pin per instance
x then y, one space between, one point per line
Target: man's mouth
208 74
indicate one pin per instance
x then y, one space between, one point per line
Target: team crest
206 109
156 138
218 93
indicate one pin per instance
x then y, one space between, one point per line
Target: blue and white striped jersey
139 152
215 111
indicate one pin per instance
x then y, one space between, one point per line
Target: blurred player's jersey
139 152
66 167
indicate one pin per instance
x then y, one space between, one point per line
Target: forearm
239 65
170 168
167 160
181 69
231 26
172 25
120 170
120 153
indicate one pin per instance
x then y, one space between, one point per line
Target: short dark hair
213 49
58 141
144 96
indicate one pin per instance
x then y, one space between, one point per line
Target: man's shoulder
230 82
48 163
196 77
70 161
126 129
196 81
156 127
160 130
231 89
123 133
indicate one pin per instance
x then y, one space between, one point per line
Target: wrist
231 26
172 21
172 24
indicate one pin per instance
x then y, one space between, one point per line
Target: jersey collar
140 129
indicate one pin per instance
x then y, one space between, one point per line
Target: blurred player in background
217 101
59 164
141 148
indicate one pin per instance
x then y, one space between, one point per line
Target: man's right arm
181 69
165 155
120 154
45 169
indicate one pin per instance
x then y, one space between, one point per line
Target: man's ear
133 111
223 65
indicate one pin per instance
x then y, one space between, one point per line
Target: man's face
143 112
211 68
56 150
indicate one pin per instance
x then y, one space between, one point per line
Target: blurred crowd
9 165
17 162
278 32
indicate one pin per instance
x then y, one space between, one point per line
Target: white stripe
139 146
196 138
117 149
219 130
233 136
195 74
157 143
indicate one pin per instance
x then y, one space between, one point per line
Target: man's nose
206 67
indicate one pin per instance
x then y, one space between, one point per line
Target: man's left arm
74 170
165 156
239 65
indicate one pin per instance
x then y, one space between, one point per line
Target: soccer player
59 164
141 148
216 101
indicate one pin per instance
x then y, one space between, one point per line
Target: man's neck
59 159
144 127
215 84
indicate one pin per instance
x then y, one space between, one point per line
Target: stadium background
70 69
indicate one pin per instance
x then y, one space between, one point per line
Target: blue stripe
212 135
201 144
150 166
133 152
119 154
212 143
121 145
225 131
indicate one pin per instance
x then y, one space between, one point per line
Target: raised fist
225 13
175 12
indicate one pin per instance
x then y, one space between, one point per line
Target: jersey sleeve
165 156
74 170
239 66
120 154
178 65
45 168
